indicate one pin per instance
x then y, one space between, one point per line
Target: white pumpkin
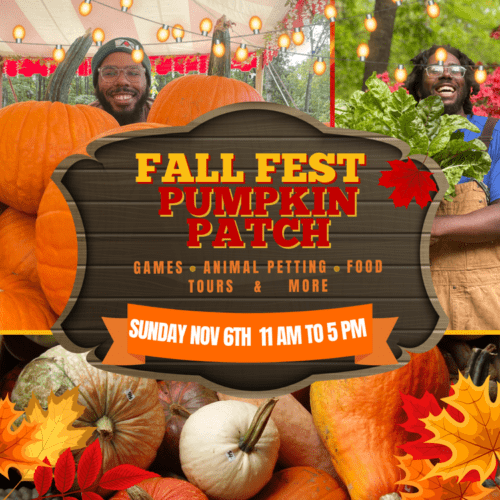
229 449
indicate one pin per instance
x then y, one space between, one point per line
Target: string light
137 54
400 73
98 36
441 55
480 74
330 12
432 9
163 33
18 33
58 53
85 8
370 23
206 26
319 66
363 51
178 32
241 53
255 24
126 4
298 36
397 2
284 42
218 48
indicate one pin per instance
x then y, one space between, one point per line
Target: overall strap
486 136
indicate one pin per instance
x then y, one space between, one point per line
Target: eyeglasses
111 73
438 70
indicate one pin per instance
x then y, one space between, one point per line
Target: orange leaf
13 443
435 487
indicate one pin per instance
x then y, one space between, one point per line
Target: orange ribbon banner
250 337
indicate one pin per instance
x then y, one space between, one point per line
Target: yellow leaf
13 444
475 442
435 487
56 432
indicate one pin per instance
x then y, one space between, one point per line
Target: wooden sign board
252 250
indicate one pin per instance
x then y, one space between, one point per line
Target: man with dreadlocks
465 235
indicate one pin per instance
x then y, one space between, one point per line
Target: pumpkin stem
105 428
179 410
221 66
251 437
137 493
479 364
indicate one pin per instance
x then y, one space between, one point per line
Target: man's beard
127 116
451 108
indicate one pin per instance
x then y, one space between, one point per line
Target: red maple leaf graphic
409 182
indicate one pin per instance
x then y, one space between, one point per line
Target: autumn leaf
14 443
124 476
56 432
435 487
409 182
475 442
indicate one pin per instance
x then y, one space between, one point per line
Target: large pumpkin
56 248
358 420
17 244
184 99
125 410
34 138
162 488
23 305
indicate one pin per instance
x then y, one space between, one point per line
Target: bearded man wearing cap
121 85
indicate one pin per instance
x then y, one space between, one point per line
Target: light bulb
58 53
18 33
126 4
319 66
241 53
163 33
330 12
370 23
137 54
432 9
85 8
363 51
397 2
400 73
284 42
218 49
441 55
178 32
206 26
298 36
255 24
480 74
98 36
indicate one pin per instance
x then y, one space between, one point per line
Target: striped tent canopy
51 22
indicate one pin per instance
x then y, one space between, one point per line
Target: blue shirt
492 178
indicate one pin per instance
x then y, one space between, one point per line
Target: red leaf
43 478
409 182
64 473
124 476
90 495
89 465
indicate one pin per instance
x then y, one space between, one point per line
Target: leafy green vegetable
422 126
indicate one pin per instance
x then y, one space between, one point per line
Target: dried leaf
14 444
56 432
475 442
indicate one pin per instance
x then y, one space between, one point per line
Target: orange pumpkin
302 483
184 99
23 305
17 244
34 138
358 420
82 150
162 488
56 248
